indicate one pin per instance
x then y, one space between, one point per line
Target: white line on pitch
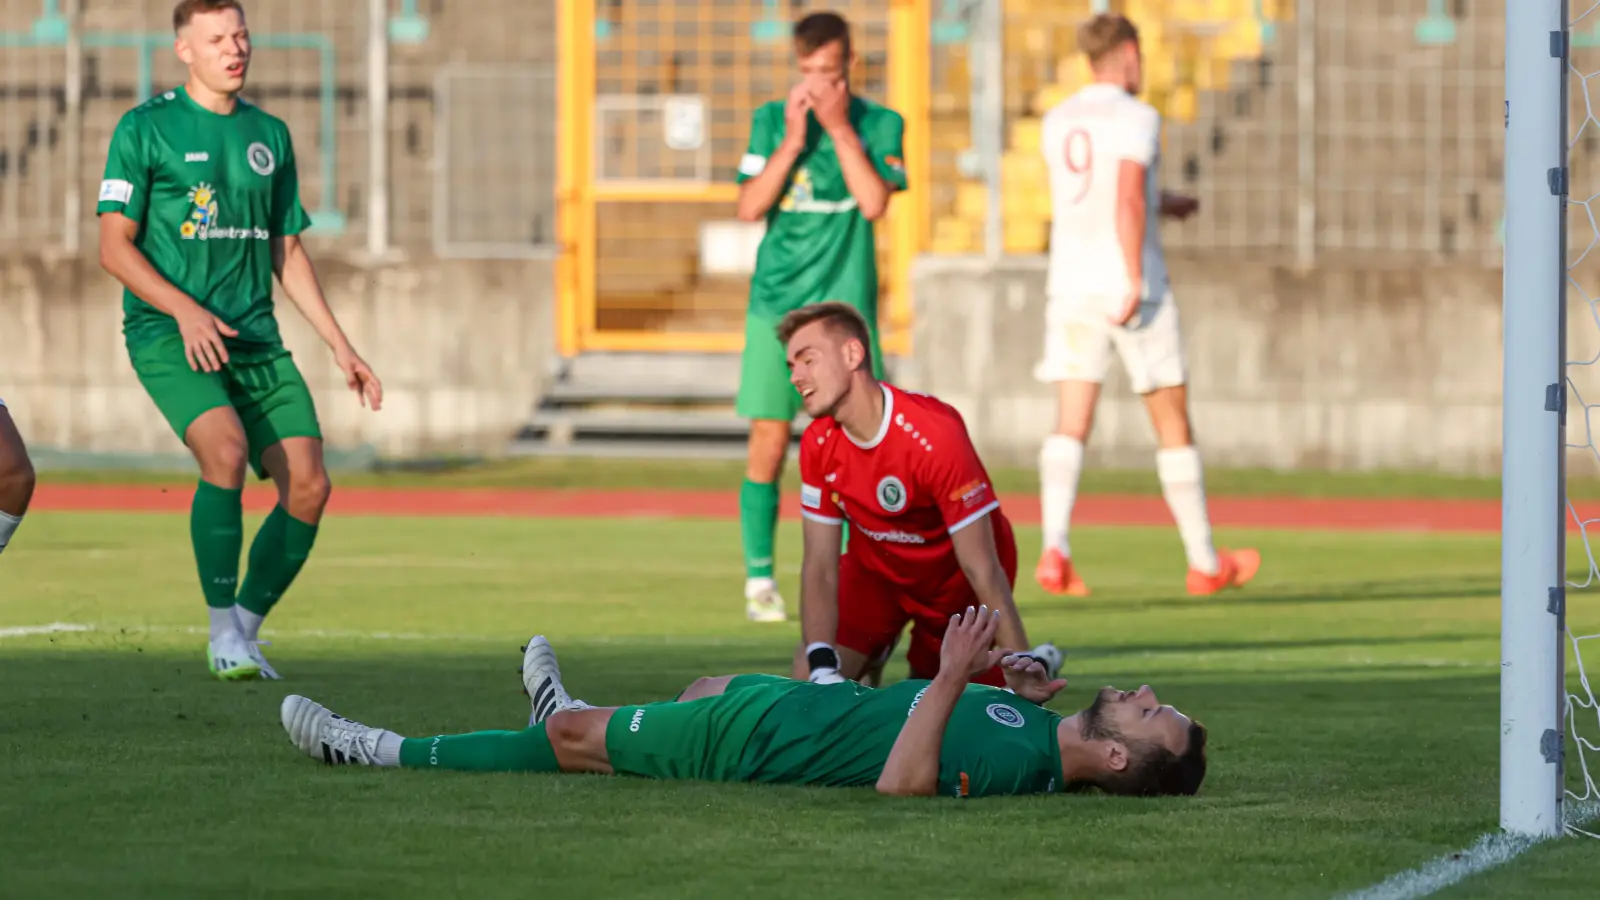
23 631
52 628
1490 851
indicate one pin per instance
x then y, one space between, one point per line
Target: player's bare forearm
292 264
912 769
980 562
819 582
865 184
757 195
124 262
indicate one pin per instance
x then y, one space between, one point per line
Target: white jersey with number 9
1084 139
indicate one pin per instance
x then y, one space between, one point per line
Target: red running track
1237 512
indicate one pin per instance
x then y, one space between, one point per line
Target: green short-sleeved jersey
209 192
996 743
818 246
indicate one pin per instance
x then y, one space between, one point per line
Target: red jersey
918 481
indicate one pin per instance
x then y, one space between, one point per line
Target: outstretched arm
980 562
292 264
819 590
912 769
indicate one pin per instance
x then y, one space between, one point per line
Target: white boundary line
114 628
1490 851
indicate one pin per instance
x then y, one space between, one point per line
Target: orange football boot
1235 569
1054 573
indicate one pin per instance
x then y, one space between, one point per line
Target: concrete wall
463 350
1338 368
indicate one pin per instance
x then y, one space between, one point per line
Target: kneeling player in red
944 737
927 535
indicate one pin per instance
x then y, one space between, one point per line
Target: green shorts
701 740
764 388
263 387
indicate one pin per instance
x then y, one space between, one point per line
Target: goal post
1533 486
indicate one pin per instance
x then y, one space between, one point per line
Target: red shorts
873 612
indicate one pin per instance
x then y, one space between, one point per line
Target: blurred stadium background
524 212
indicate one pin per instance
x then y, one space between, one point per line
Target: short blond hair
1103 34
839 317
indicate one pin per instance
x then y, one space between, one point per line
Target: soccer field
1351 691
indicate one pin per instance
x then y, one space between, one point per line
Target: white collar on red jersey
883 427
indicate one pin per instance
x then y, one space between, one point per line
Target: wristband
822 656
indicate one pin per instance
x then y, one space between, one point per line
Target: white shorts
1078 342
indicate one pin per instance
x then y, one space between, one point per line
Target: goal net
1582 395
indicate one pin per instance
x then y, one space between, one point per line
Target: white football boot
229 657
320 734
541 681
762 602
268 673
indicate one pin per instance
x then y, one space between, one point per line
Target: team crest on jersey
891 494
202 213
800 191
260 158
1005 715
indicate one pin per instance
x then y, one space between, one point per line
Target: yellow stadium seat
1278 10
1025 135
1047 98
1242 40
1183 105
972 201
955 237
1026 237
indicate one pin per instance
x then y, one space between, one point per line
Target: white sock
1183 485
1060 464
754 586
8 527
249 622
387 753
222 621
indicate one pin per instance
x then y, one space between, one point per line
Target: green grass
1352 695
578 472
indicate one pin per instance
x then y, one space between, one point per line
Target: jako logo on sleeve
638 716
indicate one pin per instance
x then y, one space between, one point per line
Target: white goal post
1533 487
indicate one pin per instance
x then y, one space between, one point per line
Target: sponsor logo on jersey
801 197
260 158
893 537
201 223
891 494
197 156
1005 715
895 163
917 699
970 493
810 496
638 716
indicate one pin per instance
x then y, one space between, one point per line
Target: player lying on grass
16 477
914 738
927 536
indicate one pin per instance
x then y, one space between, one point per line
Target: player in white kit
16 477
1108 290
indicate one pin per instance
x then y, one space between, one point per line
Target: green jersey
209 193
818 246
996 743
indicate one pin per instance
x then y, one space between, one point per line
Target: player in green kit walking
820 169
940 737
199 210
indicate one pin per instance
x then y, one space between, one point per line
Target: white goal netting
1583 399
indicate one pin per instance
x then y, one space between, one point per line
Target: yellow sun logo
187 229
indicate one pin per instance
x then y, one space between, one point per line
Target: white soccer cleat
1052 657
320 734
541 681
267 671
229 658
762 602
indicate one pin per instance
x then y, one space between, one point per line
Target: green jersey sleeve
885 140
125 187
766 131
288 216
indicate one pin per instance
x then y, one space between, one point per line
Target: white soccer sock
222 621
249 622
1060 464
387 753
8 527
1183 485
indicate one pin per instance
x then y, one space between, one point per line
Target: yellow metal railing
628 277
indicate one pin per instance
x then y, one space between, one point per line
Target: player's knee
17 480
769 444
223 458
569 733
310 490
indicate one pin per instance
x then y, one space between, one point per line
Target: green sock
528 750
276 556
758 523
216 529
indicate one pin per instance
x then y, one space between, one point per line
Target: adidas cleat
320 734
